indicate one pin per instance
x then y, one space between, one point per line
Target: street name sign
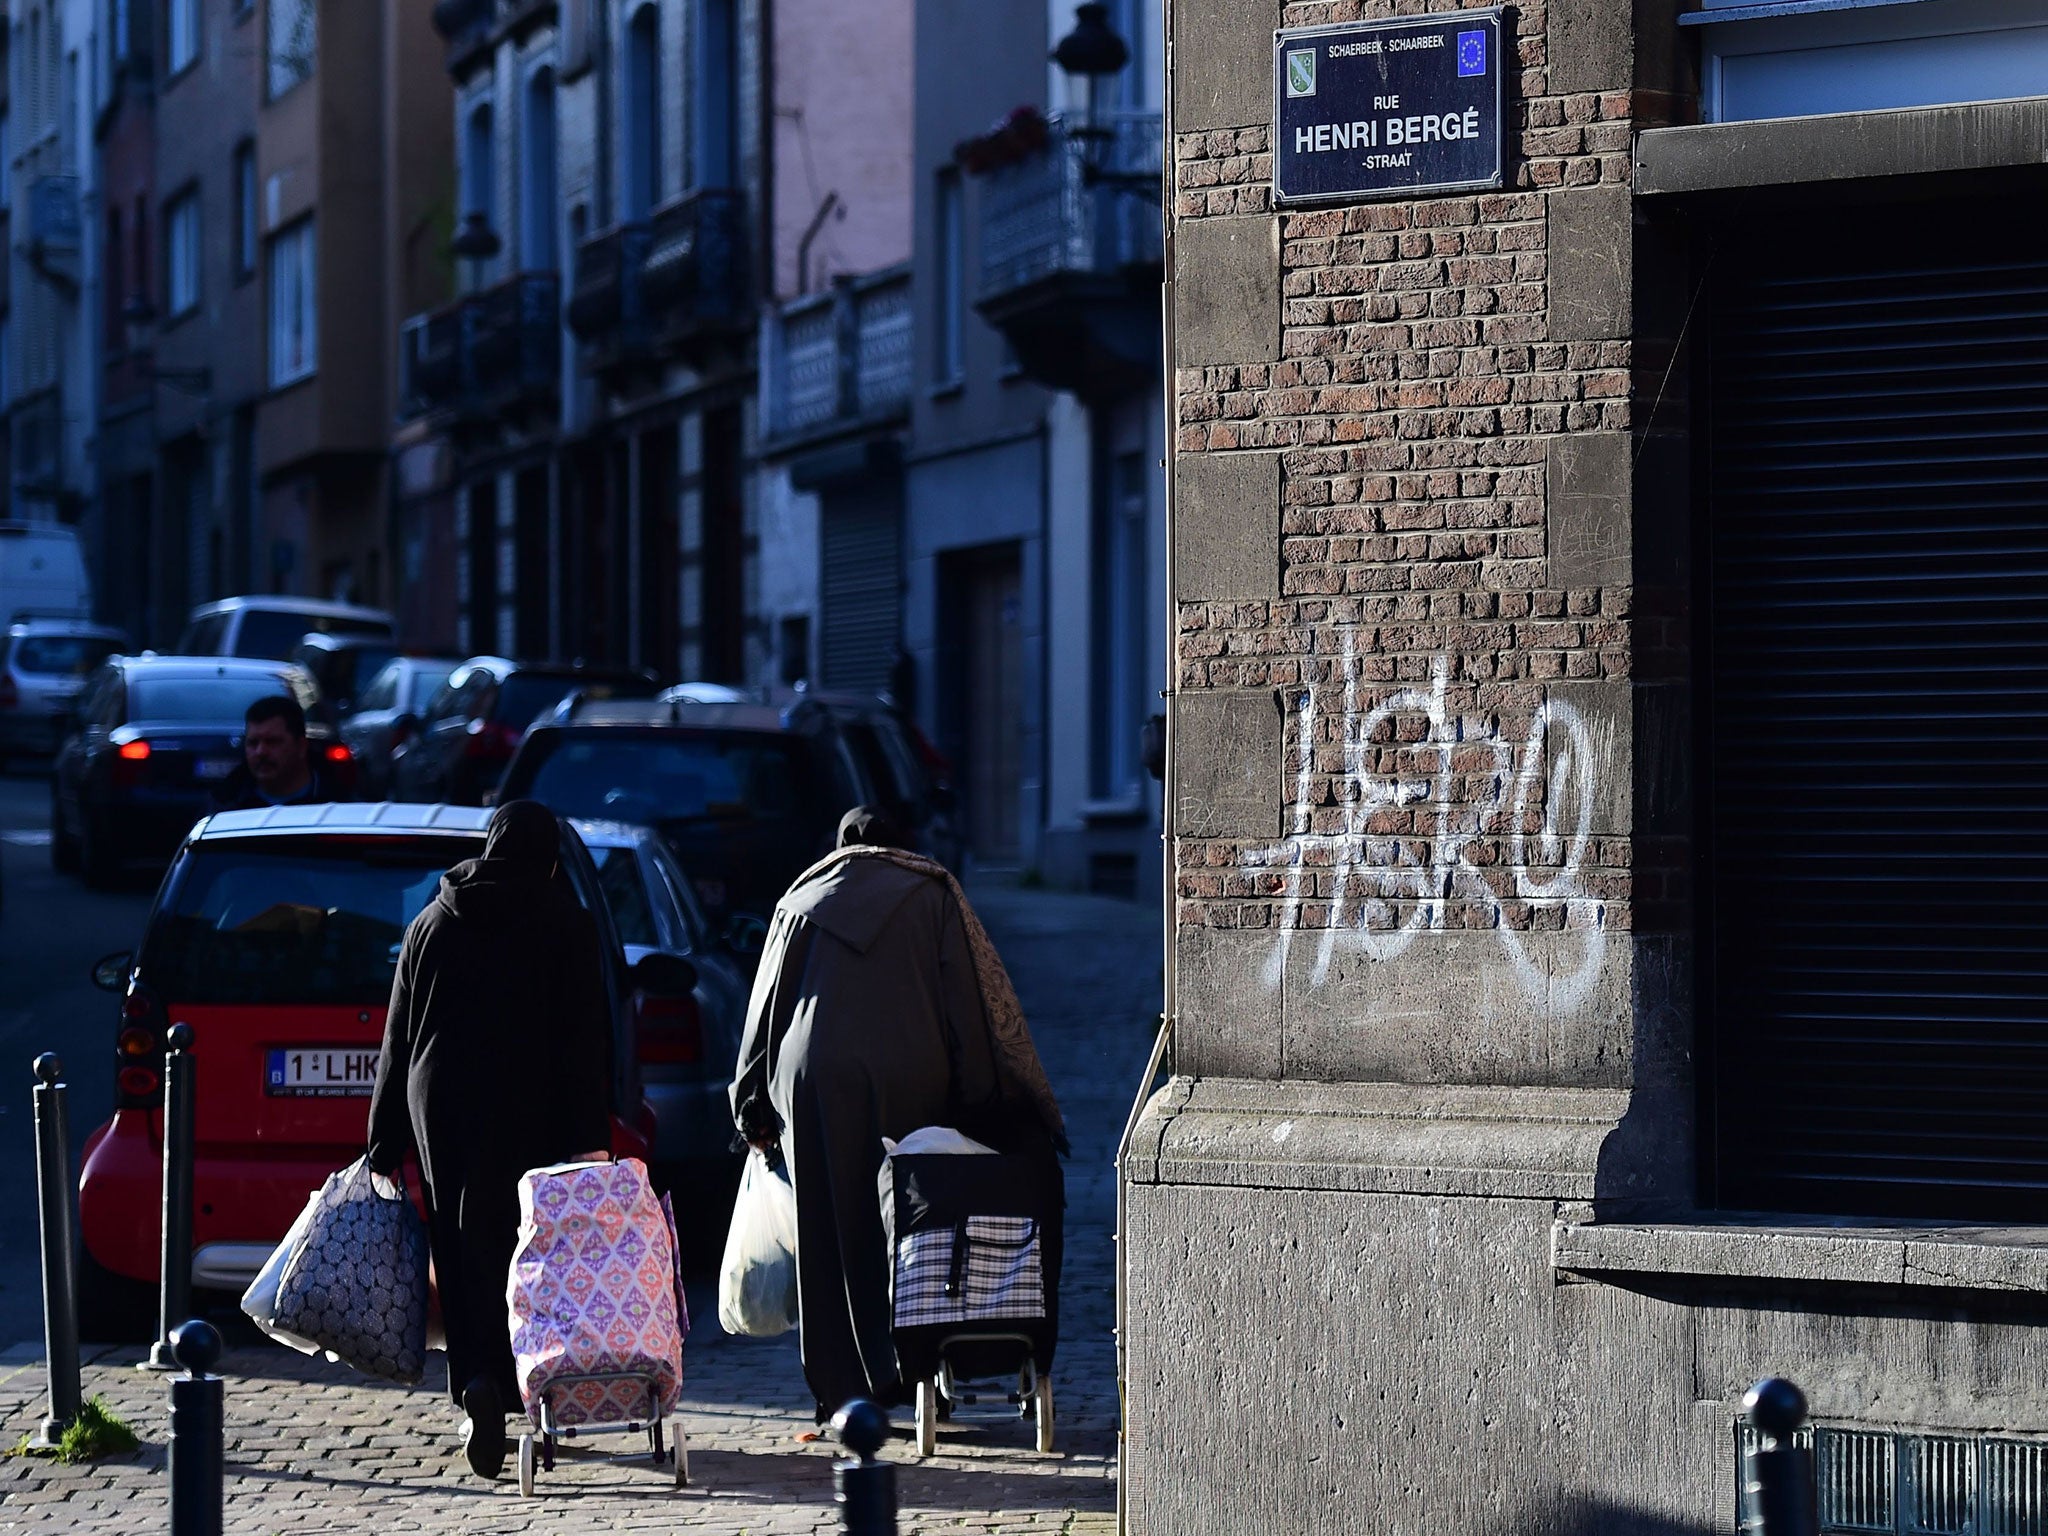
1388 108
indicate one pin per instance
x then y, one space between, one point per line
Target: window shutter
1877 716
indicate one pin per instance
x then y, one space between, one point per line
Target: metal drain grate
1882 1483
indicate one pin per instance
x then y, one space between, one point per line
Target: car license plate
214 767
320 1071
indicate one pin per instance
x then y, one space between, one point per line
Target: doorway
984 631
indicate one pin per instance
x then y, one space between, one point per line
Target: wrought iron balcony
695 272
1071 251
841 361
607 300
485 358
515 342
433 361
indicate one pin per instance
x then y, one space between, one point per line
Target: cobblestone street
313 1447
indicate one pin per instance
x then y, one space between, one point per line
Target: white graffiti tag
1445 815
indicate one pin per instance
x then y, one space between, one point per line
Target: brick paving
314 1447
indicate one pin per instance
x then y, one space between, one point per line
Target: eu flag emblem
1471 53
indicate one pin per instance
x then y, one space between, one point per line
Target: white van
42 573
268 627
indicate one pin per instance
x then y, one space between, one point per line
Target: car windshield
626 893
678 776
341 672
271 634
206 698
525 696
299 921
61 655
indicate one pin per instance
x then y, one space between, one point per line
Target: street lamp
138 320
1091 56
476 242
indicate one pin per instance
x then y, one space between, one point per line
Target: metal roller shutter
861 587
1877 718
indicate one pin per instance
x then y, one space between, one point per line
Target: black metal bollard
175 1298
198 1421
862 1487
1777 1483
54 1194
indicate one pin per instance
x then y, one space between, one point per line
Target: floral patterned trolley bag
597 1312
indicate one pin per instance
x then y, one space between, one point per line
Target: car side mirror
110 972
664 975
746 934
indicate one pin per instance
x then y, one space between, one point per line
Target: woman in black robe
496 1059
879 1008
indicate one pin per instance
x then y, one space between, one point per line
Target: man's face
276 757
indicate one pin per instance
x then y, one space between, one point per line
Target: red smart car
274 936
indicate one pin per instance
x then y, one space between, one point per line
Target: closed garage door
861 585
1876 713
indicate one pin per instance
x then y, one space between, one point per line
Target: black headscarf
864 826
525 836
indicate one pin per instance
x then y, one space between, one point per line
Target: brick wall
1445 646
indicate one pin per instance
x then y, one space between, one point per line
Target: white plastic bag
757 1281
260 1300
934 1138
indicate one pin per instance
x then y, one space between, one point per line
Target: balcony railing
841 359
696 270
607 302
1073 208
646 292
485 356
1070 257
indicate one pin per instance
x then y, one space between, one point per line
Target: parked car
687 1055
906 776
458 748
391 701
343 664
151 739
42 573
274 936
268 627
746 796
43 664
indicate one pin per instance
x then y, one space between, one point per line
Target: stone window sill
2002 1259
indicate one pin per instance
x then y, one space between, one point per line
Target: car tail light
489 739
131 763
341 763
139 1051
667 1031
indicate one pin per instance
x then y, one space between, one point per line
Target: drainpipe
1167 819
606 137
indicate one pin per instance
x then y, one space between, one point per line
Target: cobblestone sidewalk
313 1447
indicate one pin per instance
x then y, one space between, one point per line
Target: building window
949 286
245 210
1119 649
479 162
181 255
292 44
294 351
537 162
643 113
184 34
717 69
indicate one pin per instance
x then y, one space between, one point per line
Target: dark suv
747 795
